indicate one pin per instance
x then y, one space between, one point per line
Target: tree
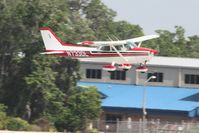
164 42
20 42
124 30
170 44
82 105
192 47
100 17
42 93
12 123
3 117
29 86
180 40
77 29
67 73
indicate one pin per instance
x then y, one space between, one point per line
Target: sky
152 15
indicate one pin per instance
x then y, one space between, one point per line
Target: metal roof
174 62
159 98
165 61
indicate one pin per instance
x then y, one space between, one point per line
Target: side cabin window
105 48
109 48
119 47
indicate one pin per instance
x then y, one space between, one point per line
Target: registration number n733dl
76 53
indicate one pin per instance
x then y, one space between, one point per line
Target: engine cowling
155 52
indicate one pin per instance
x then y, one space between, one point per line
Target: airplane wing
133 40
142 38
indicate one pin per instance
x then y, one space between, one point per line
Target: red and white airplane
117 54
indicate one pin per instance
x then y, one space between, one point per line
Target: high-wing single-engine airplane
121 54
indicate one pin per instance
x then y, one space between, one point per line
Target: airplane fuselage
106 56
124 53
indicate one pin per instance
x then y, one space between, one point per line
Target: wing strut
111 45
119 53
139 44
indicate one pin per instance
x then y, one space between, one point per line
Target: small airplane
121 54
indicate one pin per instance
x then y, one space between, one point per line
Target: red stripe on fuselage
116 54
84 54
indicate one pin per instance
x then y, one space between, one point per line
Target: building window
93 73
113 118
159 77
191 79
118 75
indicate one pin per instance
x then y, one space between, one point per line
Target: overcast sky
158 14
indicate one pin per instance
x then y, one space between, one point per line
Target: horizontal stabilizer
53 52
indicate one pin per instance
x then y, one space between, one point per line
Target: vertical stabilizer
51 41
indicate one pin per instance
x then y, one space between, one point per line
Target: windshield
130 45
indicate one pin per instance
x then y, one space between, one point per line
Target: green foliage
12 123
84 102
67 73
92 131
3 117
35 86
124 30
175 43
83 105
98 14
17 124
42 87
193 47
100 17
20 22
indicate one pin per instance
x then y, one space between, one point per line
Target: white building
170 71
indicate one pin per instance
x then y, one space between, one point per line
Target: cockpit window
130 45
120 47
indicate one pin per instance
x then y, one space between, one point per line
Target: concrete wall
130 75
172 76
